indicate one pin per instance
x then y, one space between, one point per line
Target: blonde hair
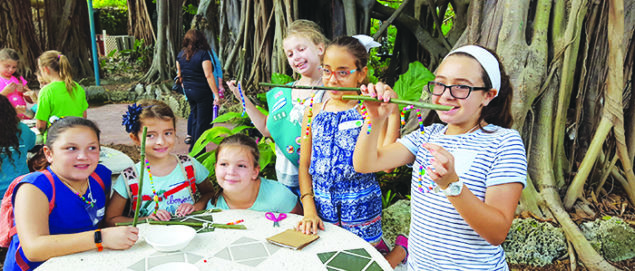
59 63
307 29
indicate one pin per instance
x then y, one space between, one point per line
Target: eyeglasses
457 91
339 75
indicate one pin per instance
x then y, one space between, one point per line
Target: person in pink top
13 85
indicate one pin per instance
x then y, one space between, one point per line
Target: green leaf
262 110
266 155
279 78
606 217
411 83
227 117
211 135
239 129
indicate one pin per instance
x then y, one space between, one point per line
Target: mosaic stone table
223 249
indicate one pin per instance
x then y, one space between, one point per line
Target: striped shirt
439 237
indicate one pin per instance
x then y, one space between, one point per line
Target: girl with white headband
468 173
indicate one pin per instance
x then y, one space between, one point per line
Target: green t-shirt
272 197
55 100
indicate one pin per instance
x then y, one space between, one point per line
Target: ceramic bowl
169 238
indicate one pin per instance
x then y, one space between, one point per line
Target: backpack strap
188 171
49 176
129 176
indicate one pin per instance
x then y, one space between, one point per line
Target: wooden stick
264 84
140 193
399 101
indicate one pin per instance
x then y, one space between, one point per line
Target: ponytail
56 61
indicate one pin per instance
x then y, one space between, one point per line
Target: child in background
332 190
237 172
174 185
72 225
62 97
16 139
463 203
12 85
304 47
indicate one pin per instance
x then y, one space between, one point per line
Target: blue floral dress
343 196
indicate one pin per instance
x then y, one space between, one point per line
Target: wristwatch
98 241
453 189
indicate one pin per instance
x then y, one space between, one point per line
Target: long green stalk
264 84
140 193
197 224
399 101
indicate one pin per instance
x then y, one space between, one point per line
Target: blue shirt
13 169
70 214
272 197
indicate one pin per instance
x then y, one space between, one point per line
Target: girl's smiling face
340 66
461 70
75 154
160 138
236 169
302 54
8 67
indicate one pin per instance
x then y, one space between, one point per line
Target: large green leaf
227 117
411 83
280 79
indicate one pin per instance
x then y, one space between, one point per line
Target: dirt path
108 118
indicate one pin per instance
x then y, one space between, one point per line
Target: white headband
487 61
367 41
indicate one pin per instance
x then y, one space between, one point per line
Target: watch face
454 189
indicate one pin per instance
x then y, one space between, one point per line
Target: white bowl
182 266
169 238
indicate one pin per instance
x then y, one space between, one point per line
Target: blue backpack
217 65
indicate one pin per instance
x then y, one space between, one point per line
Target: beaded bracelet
309 116
242 99
365 116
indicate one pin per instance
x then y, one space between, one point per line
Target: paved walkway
108 118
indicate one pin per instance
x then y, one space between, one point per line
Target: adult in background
195 70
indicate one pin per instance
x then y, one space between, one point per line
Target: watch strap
98 241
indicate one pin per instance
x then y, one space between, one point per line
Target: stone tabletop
225 249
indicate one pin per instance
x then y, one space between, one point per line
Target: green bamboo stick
399 101
140 193
264 84
197 224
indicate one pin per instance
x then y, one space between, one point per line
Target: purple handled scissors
271 216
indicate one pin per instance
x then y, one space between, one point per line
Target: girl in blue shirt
73 224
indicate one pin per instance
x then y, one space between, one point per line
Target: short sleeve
201 173
280 198
39 180
120 185
510 161
205 56
44 105
410 142
23 81
83 102
27 135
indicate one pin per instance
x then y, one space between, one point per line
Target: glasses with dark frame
456 91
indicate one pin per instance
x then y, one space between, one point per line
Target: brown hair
354 47
59 63
307 29
10 133
154 109
193 41
498 111
39 162
240 140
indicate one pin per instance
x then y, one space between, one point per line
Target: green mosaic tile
374 266
349 262
326 256
359 251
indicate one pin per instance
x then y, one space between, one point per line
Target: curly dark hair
193 41
10 133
